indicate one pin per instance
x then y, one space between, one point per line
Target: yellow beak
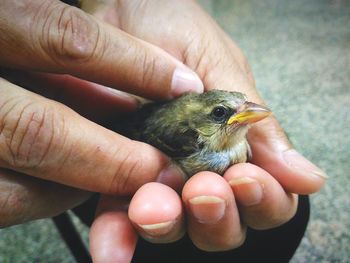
249 112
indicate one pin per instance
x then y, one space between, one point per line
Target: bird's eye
219 113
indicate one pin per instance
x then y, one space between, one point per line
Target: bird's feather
186 130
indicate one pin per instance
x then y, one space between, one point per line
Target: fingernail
173 177
158 229
247 190
207 209
298 162
185 81
124 96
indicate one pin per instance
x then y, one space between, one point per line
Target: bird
199 132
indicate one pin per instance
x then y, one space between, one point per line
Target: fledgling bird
200 132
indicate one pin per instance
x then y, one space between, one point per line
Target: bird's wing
176 142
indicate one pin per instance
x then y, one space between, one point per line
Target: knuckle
26 135
128 168
145 65
196 57
68 33
148 70
12 207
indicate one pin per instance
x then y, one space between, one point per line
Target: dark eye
219 113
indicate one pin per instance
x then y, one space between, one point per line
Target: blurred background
299 52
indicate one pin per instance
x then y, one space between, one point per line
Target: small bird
200 132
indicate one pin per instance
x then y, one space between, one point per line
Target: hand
45 139
261 194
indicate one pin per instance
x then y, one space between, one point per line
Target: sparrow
199 132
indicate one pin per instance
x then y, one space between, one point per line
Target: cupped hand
261 194
42 138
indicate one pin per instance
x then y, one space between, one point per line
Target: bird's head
221 118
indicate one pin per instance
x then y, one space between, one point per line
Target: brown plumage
198 131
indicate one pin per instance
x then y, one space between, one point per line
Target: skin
147 42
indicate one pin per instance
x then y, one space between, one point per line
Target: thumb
51 36
46 139
273 152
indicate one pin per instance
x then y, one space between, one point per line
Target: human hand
260 195
45 139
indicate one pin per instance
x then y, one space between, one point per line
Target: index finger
46 139
51 36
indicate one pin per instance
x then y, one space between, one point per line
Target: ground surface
300 55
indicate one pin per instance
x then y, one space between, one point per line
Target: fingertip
262 200
185 80
112 238
207 196
154 203
213 219
244 181
156 212
206 183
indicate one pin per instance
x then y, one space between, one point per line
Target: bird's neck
224 141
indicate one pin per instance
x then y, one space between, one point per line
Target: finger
112 236
156 212
96 102
213 219
24 198
273 152
43 138
263 203
54 37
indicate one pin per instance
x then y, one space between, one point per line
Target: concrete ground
300 54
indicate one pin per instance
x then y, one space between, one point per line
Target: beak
249 112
